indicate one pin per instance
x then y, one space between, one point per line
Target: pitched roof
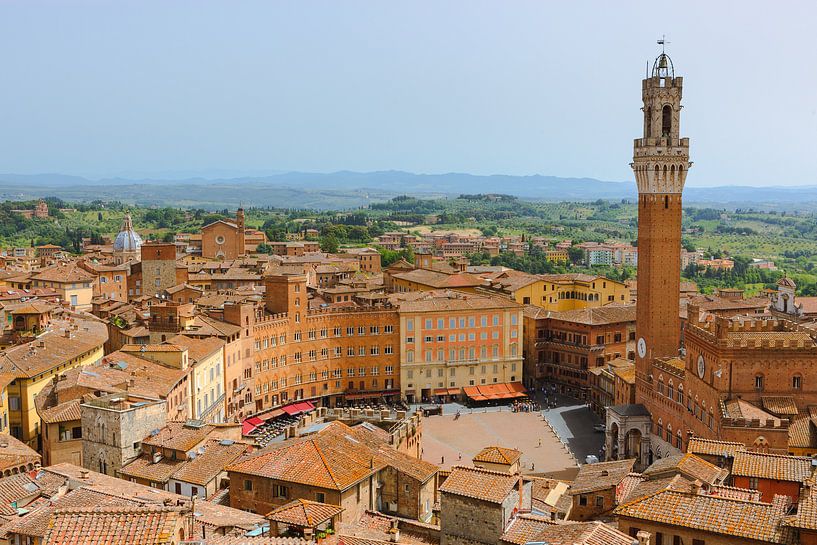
715 514
202 469
525 528
480 484
601 476
576 533
498 455
15 453
780 405
304 513
437 279
335 458
611 314
179 436
689 465
114 526
772 466
699 445
53 348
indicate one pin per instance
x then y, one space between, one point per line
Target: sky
219 88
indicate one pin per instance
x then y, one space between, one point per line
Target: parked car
591 459
601 428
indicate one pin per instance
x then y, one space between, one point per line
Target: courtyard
449 440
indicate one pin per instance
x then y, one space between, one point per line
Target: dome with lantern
127 240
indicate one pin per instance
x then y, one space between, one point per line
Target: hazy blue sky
127 87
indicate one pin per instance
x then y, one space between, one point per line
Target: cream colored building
75 285
450 340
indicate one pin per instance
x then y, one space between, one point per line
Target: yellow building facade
71 342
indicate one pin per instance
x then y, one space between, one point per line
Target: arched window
671 390
661 384
758 382
666 120
681 394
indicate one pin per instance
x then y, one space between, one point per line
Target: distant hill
346 189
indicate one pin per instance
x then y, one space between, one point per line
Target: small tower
241 232
660 164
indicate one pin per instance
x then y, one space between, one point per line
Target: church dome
127 240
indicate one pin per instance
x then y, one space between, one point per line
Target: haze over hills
345 189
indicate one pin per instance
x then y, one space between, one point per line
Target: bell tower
660 163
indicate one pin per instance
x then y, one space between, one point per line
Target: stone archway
632 443
611 443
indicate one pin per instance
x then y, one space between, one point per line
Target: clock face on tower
701 366
642 348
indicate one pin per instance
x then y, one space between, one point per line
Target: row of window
483 336
461 322
453 371
313 334
276 384
461 354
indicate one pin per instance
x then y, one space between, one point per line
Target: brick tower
660 163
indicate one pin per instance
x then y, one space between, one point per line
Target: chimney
644 538
308 534
695 487
83 474
394 532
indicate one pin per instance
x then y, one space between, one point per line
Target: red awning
298 408
247 427
254 420
488 392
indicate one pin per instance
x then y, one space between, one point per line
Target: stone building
158 267
351 467
594 488
478 504
113 427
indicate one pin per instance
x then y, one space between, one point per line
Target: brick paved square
445 439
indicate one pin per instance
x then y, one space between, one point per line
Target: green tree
330 244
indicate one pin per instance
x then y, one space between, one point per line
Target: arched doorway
632 444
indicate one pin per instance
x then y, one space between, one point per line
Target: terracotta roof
114 526
179 436
437 279
739 408
335 458
736 518
480 484
63 273
699 445
304 513
611 314
15 453
576 533
734 493
255 540
772 466
209 514
525 528
53 348
803 433
198 349
689 465
806 517
64 412
498 455
450 301
601 476
202 469
780 405
144 468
